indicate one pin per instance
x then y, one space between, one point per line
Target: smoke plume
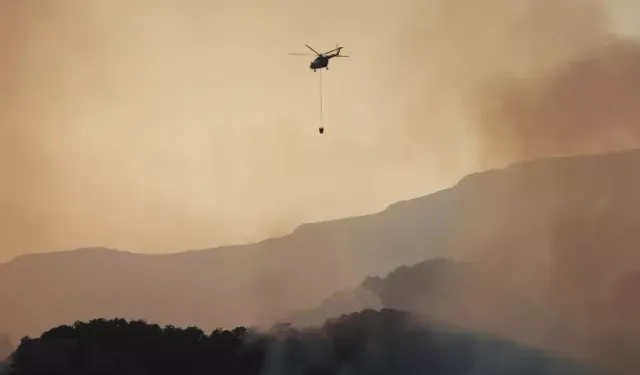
164 125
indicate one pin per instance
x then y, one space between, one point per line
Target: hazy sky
163 125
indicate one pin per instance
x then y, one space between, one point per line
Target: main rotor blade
335 49
300 54
314 51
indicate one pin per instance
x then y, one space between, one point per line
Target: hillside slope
602 330
227 286
518 221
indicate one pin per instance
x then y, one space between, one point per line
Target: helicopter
322 59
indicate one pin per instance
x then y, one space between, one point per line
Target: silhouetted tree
368 342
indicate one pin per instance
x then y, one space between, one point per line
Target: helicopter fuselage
320 62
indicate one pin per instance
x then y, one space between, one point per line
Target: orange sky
163 125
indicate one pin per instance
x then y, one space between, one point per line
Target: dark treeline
367 342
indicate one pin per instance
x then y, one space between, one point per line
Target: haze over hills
125 126
537 228
148 285
550 258
460 293
225 286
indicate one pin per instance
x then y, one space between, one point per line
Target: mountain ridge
511 217
463 181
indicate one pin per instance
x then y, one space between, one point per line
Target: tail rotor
338 51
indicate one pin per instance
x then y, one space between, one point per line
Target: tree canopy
367 342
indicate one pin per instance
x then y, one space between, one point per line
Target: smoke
161 125
585 106
158 126
164 125
547 78
517 80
